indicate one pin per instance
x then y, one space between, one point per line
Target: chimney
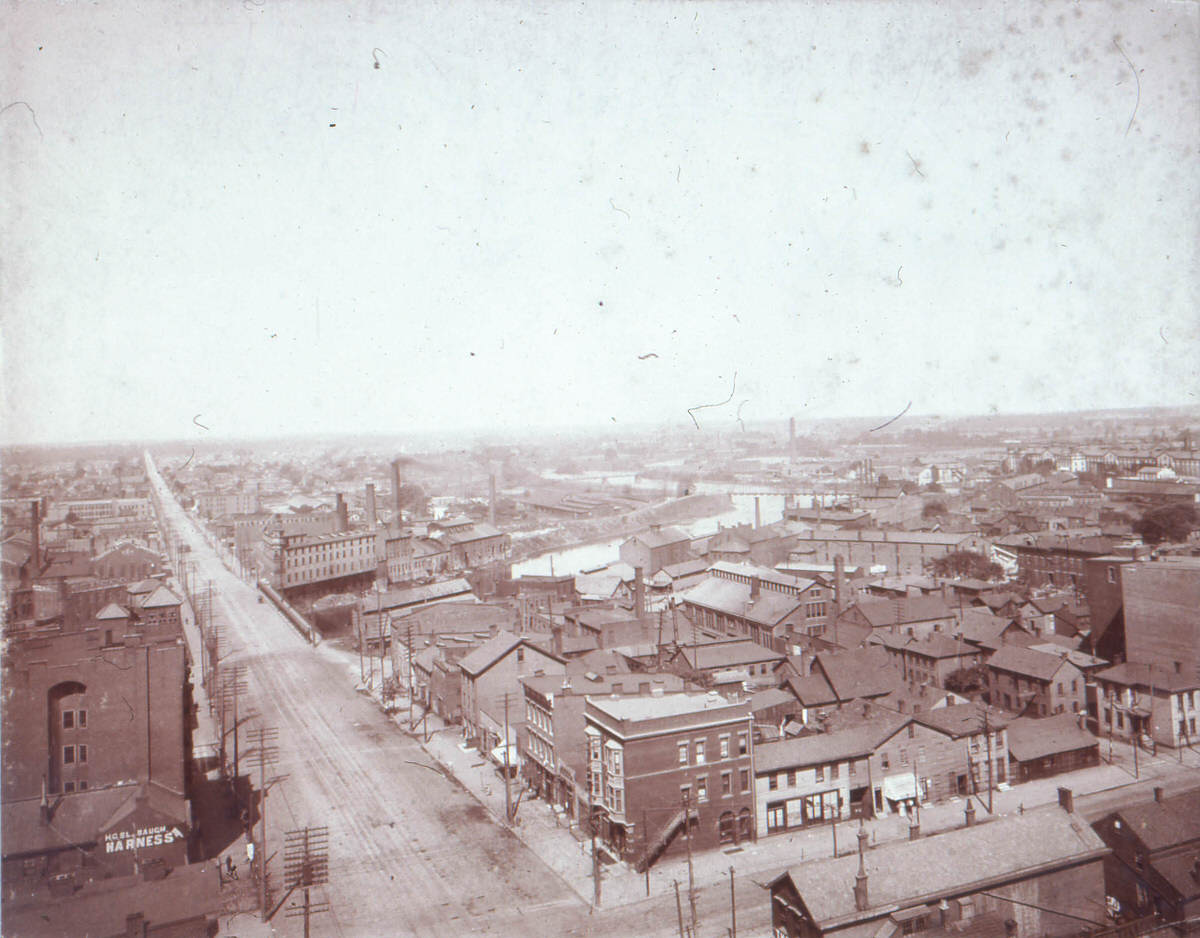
396 491
755 588
371 509
757 512
1158 793
1066 799
45 803
639 593
343 518
970 812
35 519
860 879
492 499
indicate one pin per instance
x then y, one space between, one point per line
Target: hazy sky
227 209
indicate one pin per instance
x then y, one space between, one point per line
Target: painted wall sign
141 838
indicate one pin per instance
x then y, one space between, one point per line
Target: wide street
410 852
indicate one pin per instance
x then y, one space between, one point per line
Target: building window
699 745
772 782
912 731
685 793
904 757
68 755
853 767
820 773
68 719
702 788
724 747
791 778
883 760
833 771
743 743
744 778
726 784
683 753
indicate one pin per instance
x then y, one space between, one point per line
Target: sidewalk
566 849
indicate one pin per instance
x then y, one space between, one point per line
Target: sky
268 217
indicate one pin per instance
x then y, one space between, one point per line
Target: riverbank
581 533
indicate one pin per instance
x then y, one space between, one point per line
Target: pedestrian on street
230 867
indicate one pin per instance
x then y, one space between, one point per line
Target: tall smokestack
396 491
371 510
35 519
757 512
343 516
639 593
492 499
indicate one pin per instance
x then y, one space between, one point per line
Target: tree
1168 523
966 680
967 563
934 509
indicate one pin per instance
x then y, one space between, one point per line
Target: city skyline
308 219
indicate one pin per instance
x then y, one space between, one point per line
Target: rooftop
904 874
1035 738
668 705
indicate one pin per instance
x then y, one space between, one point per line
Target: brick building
1059 561
96 728
492 675
902 552
657 763
1148 700
554 746
929 660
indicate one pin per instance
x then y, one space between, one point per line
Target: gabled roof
1161 824
729 654
860 673
959 720
821 748
161 598
733 598
1039 737
812 690
1027 663
1144 677
1078 658
906 874
882 613
937 645
660 537
686 568
113 611
496 648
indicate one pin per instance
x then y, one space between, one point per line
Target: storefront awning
900 787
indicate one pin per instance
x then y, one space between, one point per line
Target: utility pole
264 753
306 864
678 907
687 829
733 903
507 780
987 735
595 855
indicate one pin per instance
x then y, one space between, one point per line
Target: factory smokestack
757 513
396 491
371 510
343 516
35 519
492 499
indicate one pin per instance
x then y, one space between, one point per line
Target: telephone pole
687 830
507 780
987 735
264 753
306 864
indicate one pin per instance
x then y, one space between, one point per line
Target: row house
928 660
835 680
492 694
1033 875
885 764
1035 683
669 771
1058 561
756 664
913 616
554 747
1149 700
